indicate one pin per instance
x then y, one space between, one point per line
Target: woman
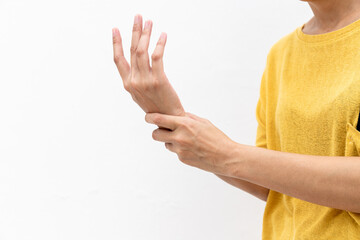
306 163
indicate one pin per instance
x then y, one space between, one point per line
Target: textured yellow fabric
309 104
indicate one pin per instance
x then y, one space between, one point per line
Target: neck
330 15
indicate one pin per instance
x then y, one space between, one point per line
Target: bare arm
331 181
255 190
150 88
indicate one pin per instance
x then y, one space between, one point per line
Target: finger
170 147
136 34
119 59
157 56
195 117
166 121
142 55
162 135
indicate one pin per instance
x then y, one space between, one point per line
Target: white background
77 159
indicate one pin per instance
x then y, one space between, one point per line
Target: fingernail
137 19
113 32
162 36
147 24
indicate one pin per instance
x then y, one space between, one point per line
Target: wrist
234 165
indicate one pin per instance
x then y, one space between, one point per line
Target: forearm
255 190
330 181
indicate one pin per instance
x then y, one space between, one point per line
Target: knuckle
160 43
136 28
126 86
186 124
157 118
155 84
156 56
152 88
180 140
135 85
180 152
168 146
117 40
140 51
146 88
132 49
116 58
182 156
154 135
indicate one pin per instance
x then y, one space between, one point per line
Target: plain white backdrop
77 159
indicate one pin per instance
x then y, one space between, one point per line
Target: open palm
148 85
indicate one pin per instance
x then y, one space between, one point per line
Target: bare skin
331 15
324 180
181 131
148 85
331 181
150 88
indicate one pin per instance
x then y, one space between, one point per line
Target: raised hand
148 85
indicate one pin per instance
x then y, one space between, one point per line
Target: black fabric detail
358 123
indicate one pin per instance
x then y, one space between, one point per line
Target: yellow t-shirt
309 104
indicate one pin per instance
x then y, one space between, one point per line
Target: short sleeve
261 112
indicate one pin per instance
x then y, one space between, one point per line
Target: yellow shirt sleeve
261 113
